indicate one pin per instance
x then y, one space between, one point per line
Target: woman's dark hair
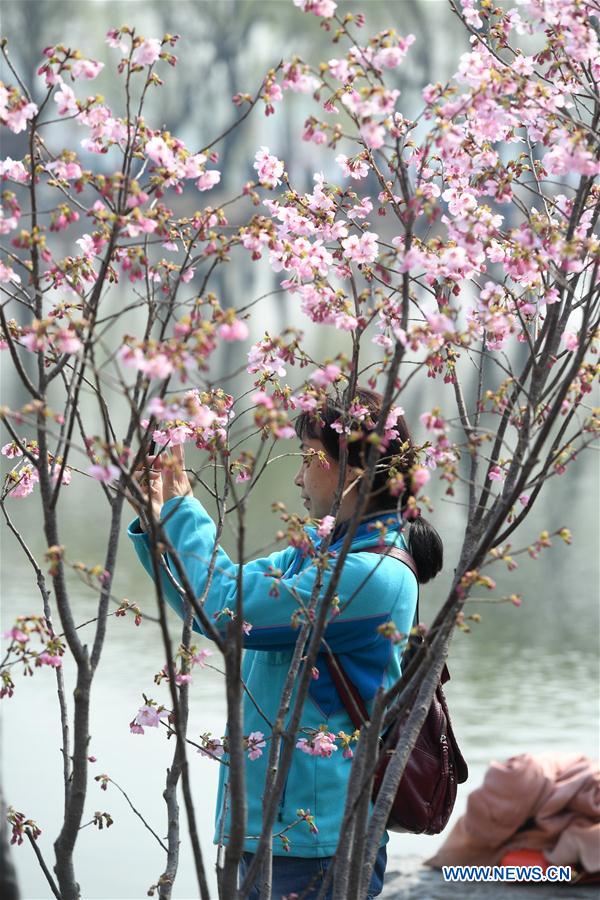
398 459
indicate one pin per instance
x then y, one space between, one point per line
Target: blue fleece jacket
379 589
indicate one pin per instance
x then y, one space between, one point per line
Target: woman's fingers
151 479
179 453
175 480
149 484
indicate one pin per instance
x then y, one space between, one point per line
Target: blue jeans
302 877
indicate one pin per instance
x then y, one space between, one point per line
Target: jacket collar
367 534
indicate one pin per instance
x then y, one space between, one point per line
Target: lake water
525 680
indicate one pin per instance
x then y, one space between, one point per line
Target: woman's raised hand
155 483
175 480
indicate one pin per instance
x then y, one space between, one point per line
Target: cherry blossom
269 168
104 473
175 436
325 526
256 743
361 210
15 634
234 331
570 340
361 249
324 8
15 110
419 477
327 375
260 398
213 747
113 39
147 52
49 659
267 359
11 450
356 168
392 57
66 170
66 101
321 744
13 169
199 658
208 180
86 68
298 79
8 274
159 152
67 341
25 480
149 716
373 134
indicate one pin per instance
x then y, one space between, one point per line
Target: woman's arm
274 592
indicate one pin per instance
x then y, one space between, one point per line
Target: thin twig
43 865
138 813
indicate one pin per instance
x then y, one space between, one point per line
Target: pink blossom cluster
192 657
20 650
326 375
255 743
175 163
25 479
49 659
202 417
297 78
13 170
148 716
212 748
15 110
146 52
439 453
268 358
325 526
8 274
268 167
324 8
368 102
21 826
322 743
154 360
59 60
298 245
22 479
361 248
43 335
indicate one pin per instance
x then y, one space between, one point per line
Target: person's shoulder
385 569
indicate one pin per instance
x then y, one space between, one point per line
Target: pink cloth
557 795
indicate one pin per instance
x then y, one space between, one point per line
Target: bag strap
347 690
403 556
349 695
397 552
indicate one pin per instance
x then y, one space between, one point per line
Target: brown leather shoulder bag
427 791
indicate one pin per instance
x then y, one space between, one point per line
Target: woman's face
318 481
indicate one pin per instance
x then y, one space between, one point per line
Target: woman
380 590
